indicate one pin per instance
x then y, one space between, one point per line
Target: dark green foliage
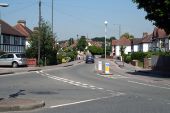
157 11
128 36
102 39
138 56
47 44
82 43
70 41
95 50
127 58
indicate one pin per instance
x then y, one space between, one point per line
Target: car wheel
14 64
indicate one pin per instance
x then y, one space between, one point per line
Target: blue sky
82 17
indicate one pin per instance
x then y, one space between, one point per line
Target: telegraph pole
39 43
52 17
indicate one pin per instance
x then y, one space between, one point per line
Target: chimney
145 34
22 22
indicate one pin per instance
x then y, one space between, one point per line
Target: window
4 56
22 41
10 56
20 55
16 40
6 39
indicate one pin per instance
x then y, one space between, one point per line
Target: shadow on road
151 73
15 95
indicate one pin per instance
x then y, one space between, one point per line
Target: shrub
127 58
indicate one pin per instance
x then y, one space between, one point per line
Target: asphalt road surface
79 89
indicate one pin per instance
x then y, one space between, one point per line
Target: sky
80 17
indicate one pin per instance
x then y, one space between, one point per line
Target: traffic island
19 104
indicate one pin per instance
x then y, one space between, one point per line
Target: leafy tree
47 44
94 50
82 43
70 41
157 11
127 35
122 52
112 38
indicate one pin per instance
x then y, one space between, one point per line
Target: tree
82 43
70 41
94 50
122 52
47 45
127 35
157 11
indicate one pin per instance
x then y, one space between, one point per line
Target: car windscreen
21 55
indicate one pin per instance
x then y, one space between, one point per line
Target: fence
160 63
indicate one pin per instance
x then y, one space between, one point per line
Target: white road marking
79 102
100 88
149 85
92 86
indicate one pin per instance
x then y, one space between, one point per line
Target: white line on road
149 85
79 102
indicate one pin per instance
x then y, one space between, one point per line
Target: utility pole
39 43
52 17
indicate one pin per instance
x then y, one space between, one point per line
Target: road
79 89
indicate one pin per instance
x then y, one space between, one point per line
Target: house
24 30
122 42
136 44
160 40
11 40
146 43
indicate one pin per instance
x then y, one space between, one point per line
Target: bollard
100 66
107 68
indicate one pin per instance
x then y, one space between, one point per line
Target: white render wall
117 51
136 48
145 47
127 49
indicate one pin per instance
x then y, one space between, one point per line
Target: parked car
13 59
89 59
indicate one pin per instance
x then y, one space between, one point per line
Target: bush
127 58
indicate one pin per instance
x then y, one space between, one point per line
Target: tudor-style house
11 40
160 40
24 30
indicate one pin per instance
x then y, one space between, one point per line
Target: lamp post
2 5
105 37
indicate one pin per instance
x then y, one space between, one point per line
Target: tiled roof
124 42
23 29
9 30
137 41
114 42
121 42
159 33
147 39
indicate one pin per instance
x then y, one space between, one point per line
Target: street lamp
105 36
2 5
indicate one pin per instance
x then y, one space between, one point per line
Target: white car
13 59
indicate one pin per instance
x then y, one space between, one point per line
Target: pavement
20 104
132 68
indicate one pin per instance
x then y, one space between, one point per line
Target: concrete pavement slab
19 104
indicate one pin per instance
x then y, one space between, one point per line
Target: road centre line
79 102
148 85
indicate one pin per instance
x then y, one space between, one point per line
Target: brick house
23 29
11 40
